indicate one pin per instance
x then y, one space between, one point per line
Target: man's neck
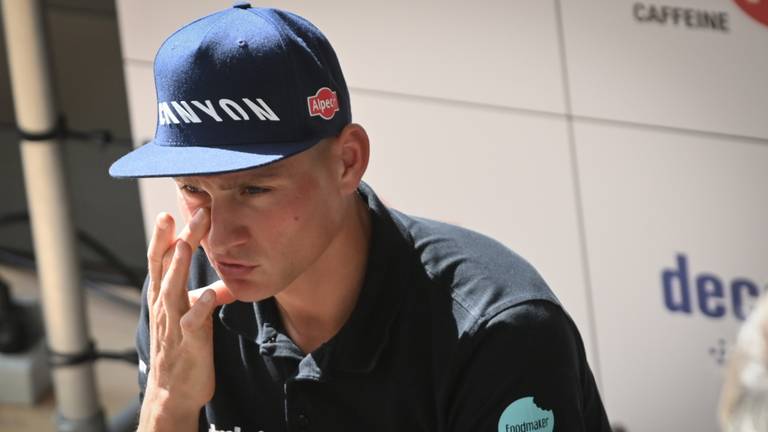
315 307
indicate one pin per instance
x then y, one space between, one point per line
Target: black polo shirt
452 331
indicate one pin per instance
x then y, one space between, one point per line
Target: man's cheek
190 202
190 210
187 207
183 206
206 249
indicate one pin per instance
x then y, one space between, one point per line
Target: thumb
197 316
223 294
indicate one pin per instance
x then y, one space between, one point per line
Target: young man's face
269 225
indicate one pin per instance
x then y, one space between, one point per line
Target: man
335 313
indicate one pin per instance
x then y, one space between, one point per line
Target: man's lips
231 269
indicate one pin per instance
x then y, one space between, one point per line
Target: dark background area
88 78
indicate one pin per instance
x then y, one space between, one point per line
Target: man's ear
353 148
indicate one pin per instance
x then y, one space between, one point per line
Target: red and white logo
324 103
757 9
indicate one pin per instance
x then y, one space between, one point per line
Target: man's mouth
233 269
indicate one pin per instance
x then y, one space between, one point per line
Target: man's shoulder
512 337
483 276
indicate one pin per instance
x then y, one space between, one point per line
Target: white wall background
597 146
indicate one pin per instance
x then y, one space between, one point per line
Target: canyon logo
757 9
175 112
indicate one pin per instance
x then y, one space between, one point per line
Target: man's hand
181 376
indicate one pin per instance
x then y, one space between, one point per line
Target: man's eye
255 190
190 189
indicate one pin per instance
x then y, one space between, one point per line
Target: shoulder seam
503 307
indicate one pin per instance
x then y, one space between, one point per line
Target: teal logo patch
523 415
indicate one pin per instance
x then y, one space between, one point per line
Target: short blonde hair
744 398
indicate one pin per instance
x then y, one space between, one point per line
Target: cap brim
152 160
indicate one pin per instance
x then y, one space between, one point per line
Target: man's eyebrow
266 172
248 179
235 183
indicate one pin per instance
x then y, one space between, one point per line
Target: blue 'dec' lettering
712 293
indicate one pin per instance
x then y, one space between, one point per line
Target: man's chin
245 290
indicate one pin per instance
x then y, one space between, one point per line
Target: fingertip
208 296
199 214
163 220
223 294
182 247
200 309
199 221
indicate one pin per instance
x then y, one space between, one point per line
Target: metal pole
61 291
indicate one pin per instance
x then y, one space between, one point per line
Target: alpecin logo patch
324 104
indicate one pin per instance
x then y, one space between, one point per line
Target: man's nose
228 228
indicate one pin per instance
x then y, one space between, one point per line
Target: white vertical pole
61 290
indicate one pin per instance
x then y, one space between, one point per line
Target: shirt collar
361 340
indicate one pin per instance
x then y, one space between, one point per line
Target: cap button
242 5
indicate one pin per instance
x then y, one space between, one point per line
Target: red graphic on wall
757 9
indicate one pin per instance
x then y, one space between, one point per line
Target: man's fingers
162 238
196 317
168 257
197 228
223 294
174 287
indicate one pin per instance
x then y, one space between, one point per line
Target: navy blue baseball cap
238 89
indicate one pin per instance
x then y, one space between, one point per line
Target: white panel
670 74
496 171
144 24
157 195
142 108
650 196
502 53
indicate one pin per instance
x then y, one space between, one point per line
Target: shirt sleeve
526 371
